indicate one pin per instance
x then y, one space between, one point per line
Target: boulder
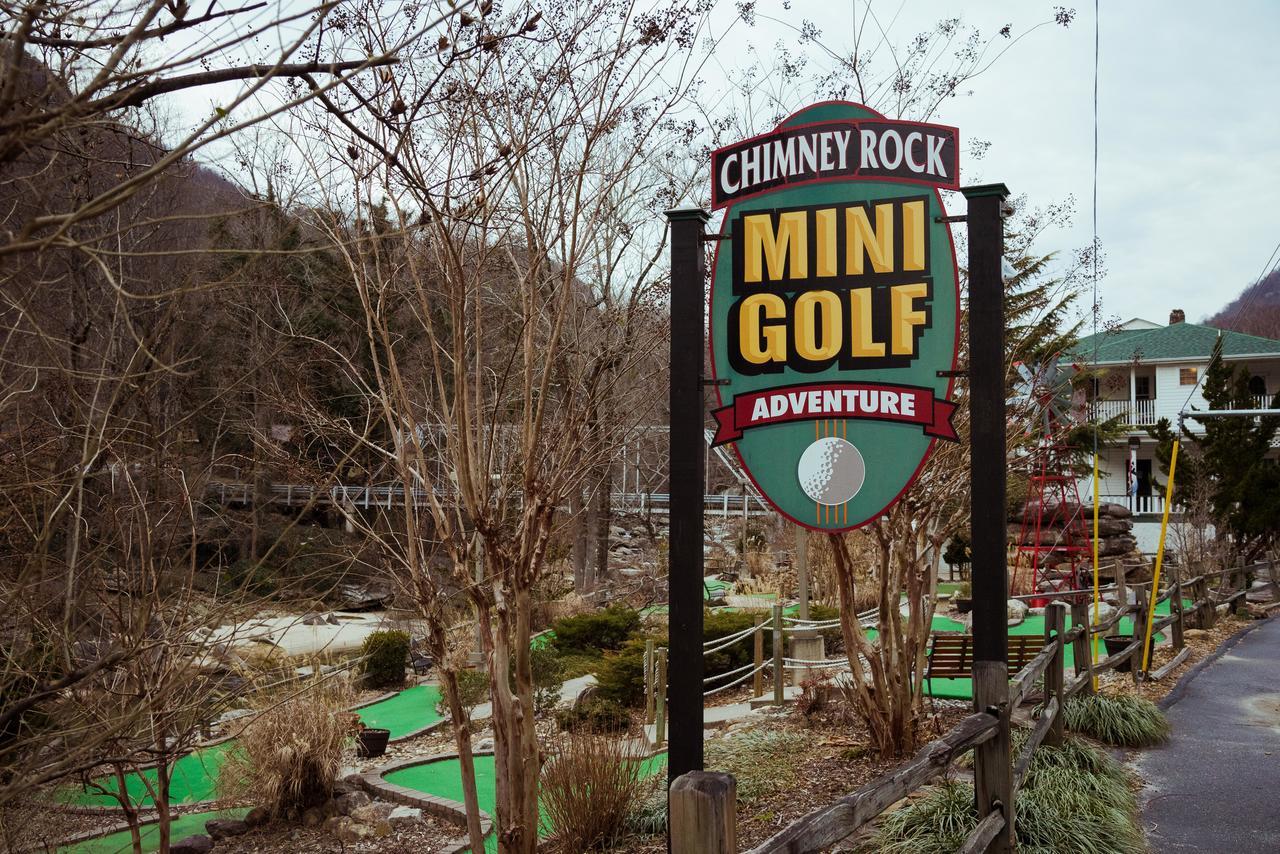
257 816
225 828
351 801
401 816
1113 510
313 817
1017 611
197 844
350 832
372 813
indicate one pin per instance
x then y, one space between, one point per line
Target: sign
834 309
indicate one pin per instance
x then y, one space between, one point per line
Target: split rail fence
703 809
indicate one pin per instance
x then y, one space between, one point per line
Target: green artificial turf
443 779
195 775
406 712
121 842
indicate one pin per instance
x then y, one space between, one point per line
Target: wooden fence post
1139 632
1175 607
704 815
1209 615
779 674
757 681
1055 615
1119 571
1239 582
649 648
660 712
1082 647
993 759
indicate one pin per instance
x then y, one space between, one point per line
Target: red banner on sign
813 402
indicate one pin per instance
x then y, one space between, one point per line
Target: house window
1187 376
1257 386
1142 388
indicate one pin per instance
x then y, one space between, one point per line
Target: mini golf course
443 778
195 775
121 842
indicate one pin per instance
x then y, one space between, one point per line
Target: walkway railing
364 497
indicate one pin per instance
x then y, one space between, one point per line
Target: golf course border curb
452 811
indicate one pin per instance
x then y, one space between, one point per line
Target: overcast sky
1188 129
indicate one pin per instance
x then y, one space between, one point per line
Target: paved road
1216 786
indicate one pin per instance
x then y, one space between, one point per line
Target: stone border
1178 690
444 808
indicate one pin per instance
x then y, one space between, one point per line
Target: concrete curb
1181 688
444 808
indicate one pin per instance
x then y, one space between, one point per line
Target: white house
1149 372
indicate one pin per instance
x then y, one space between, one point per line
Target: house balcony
1136 413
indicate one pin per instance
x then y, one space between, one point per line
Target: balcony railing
1138 413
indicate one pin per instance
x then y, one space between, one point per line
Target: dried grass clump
288 755
588 788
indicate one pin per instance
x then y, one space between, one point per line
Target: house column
1133 395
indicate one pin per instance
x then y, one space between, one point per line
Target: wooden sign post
993 774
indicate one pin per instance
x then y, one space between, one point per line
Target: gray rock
197 844
313 817
225 828
351 801
372 813
404 815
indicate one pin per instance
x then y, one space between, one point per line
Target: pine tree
1230 460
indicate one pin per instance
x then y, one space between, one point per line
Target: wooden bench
951 656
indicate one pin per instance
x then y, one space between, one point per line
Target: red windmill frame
1054 540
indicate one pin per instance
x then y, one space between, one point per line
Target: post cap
683 214
979 190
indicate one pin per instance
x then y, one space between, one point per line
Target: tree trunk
466 761
579 555
603 507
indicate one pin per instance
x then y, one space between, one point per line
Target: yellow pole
1155 580
1097 597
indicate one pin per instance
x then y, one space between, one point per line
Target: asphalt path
1215 787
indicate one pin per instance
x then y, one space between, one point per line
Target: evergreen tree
1230 460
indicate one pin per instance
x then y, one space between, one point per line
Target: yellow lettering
810 307
861 342
905 317
763 247
913 236
824 224
863 241
759 343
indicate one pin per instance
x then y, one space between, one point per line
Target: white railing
1138 504
388 496
1137 413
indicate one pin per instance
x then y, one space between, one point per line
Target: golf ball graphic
831 471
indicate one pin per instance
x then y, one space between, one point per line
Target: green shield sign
835 309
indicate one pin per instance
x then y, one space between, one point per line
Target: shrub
385 654
588 788
473 689
721 624
621 676
1124 720
288 756
1074 800
548 677
594 714
596 631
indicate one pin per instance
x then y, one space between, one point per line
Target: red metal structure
1054 541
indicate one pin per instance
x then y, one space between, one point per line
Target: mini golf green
962 689
121 842
195 775
443 778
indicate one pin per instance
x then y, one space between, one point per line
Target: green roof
1178 341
